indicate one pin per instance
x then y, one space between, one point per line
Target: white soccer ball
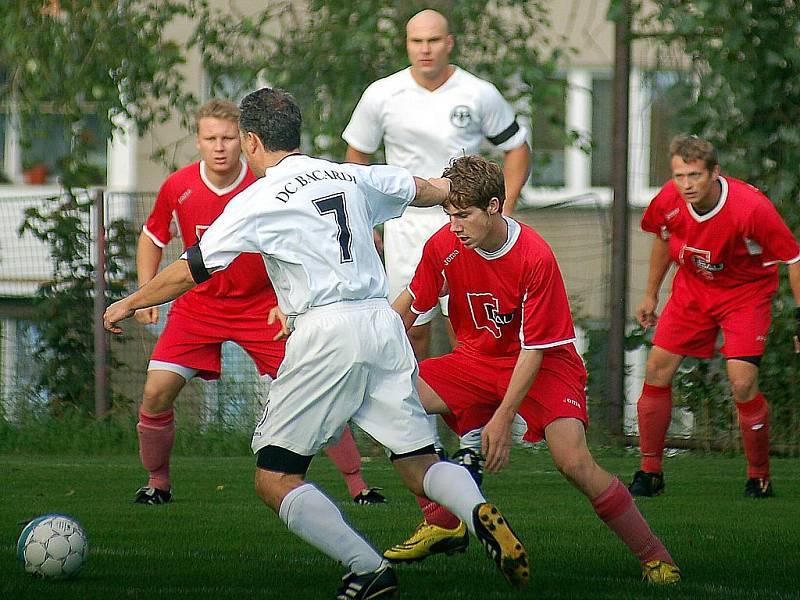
53 546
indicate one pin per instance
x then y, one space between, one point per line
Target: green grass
216 540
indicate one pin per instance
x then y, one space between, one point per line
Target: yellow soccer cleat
659 572
501 544
428 540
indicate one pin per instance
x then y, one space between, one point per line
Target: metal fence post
100 337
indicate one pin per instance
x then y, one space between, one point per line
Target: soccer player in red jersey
233 306
727 239
511 316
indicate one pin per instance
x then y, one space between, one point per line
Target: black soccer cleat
758 487
379 584
647 484
501 544
152 495
473 461
370 496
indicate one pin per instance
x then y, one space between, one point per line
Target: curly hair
474 182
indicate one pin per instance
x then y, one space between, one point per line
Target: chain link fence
579 233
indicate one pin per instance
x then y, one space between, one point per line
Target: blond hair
217 109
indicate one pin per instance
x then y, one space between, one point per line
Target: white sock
471 440
452 486
309 514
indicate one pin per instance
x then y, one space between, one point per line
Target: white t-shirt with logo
422 129
312 219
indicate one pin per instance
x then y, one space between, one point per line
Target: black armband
196 265
506 134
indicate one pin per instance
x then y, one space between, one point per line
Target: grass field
217 541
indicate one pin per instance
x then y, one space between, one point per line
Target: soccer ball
53 546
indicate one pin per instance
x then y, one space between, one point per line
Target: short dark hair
474 182
690 147
273 115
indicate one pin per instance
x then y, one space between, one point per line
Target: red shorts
472 387
690 323
190 342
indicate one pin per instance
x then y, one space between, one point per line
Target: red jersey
500 301
188 198
739 242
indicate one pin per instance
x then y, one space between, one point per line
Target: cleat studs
494 510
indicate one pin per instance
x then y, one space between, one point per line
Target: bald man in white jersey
425 115
348 356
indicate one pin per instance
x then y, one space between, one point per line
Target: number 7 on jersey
335 204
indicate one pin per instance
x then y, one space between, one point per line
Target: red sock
156 436
754 425
344 454
655 413
616 508
436 514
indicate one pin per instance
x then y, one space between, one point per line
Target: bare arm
431 192
148 257
173 281
356 156
496 436
402 306
660 261
516 167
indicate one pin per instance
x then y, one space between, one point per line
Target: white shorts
349 360
403 239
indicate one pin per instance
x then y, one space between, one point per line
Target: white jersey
422 129
312 220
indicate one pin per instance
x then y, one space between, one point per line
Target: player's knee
744 389
156 399
577 467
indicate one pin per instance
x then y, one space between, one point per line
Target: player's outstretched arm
496 436
431 192
173 281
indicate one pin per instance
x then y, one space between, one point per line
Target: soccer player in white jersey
425 115
348 356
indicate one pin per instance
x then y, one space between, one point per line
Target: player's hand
646 312
147 316
116 313
797 330
496 441
276 314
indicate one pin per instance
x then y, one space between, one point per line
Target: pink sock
655 413
754 425
616 508
156 436
436 514
347 459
